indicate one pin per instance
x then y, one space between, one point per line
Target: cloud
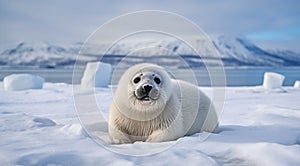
72 21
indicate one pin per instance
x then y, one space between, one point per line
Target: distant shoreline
235 76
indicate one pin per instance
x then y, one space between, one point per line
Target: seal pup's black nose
147 88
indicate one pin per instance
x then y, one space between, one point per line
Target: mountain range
234 51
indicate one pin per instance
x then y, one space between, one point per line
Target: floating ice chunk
96 74
17 82
272 80
297 84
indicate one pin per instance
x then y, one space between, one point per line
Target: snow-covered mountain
236 51
40 54
240 51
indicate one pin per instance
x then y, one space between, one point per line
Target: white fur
182 109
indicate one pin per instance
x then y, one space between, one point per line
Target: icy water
234 76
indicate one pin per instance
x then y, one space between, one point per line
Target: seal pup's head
144 88
147 86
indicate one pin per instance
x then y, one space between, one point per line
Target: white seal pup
150 106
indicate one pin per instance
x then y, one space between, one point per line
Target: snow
17 82
297 84
41 127
96 74
272 80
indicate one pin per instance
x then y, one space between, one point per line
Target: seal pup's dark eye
137 80
157 80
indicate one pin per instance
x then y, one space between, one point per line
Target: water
54 75
252 77
234 77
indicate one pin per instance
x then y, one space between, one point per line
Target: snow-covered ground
41 127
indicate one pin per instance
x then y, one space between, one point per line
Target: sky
271 24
